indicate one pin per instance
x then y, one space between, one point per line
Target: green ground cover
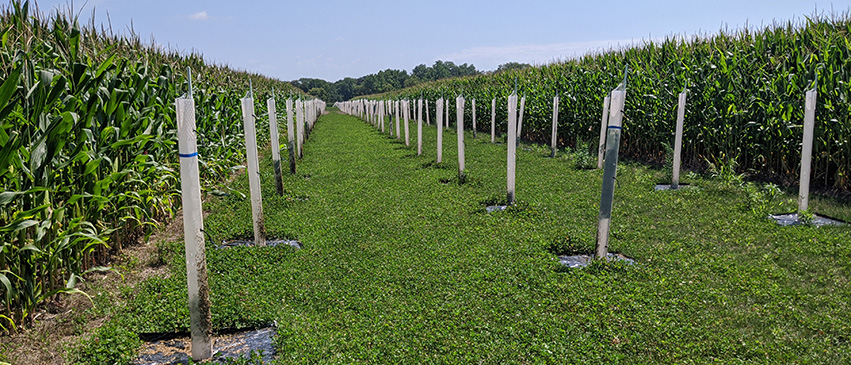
401 263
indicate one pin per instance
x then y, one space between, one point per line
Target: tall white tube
493 120
555 127
291 147
678 140
473 102
428 122
253 171
381 114
520 119
299 121
459 122
419 127
406 116
439 113
398 132
200 322
512 145
607 193
446 106
807 150
276 145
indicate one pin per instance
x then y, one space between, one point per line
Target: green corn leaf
9 86
107 64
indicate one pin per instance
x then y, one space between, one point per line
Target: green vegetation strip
402 264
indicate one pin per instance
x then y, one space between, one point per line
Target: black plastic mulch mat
177 350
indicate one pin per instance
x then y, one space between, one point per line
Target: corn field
746 98
88 153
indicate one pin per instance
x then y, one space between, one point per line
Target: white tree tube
512 145
419 127
493 120
678 140
299 121
555 127
398 132
407 115
520 119
383 111
459 122
291 135
439 113
607 193
200 322
807 150
276 145
473 102
428 122
253 171
446 106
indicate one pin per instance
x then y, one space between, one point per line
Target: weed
110 344
582 156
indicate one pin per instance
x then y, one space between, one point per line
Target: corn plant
89 158
746 97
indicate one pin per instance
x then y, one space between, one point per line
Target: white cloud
201 15
487 58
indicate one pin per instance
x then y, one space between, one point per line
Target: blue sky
335 39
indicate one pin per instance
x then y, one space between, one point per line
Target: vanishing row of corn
88 154
745 98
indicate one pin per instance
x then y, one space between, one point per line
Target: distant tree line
389 80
